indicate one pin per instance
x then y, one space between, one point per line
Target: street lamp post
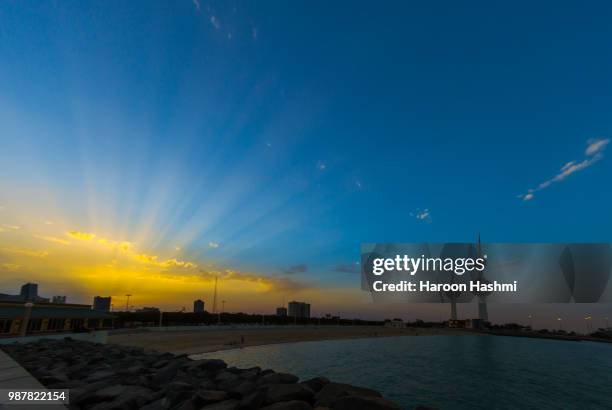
587 321
530 321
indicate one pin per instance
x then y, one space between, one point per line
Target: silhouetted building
58 299
102 303
44 317
299 309
29 291
198 306
281 311
145 309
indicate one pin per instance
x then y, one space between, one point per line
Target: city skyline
148 149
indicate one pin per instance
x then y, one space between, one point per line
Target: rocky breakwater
109 377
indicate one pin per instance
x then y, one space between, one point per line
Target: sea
451 372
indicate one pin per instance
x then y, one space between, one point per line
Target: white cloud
596 145
422 215
254 33
593 152
213 245
196 3
321 166
215 22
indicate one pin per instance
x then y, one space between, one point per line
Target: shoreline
205 341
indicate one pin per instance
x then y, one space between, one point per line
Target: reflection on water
452 372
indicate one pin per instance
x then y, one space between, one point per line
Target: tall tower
483 313
214 309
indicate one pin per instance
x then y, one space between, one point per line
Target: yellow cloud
26 252
84 236
10 266
8 228
52 239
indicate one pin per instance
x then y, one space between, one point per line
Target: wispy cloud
196 4
213 245
8 228
593 153
321 166
215 22
272 283
9 266
26 252
52 239
301 268
422 214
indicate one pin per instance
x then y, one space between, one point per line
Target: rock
316 383
286 392
100 375
333 391
364 403
155 405
242 389
177 392
253 401
290 405
227 380
226 376
166 373
212 364
207 384
52 379
223 405
135 397
278 378
204 397
186 405
109 393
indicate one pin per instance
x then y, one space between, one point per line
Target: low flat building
396 323
16 318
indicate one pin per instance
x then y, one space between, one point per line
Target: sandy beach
210 340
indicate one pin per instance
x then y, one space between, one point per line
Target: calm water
452 372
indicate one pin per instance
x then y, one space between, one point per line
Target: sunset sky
147 147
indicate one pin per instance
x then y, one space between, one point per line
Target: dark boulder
364 403
290 405
286 392
204 397
333 391
316 383
223 405
278 378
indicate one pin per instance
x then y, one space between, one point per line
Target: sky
147 147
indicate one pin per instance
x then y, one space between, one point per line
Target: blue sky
278 136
